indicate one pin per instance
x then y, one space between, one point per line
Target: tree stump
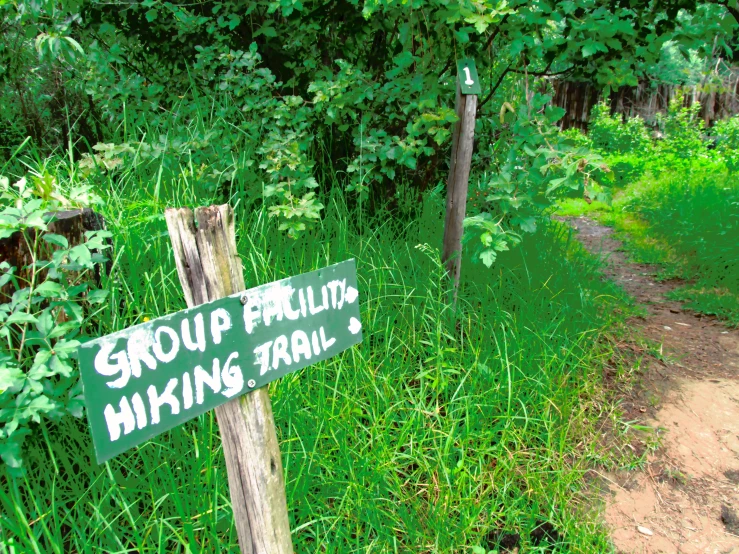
71 224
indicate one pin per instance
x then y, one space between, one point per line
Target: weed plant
441 432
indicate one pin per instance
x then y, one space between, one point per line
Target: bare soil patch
687 498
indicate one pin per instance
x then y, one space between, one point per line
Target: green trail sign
149 378
469 82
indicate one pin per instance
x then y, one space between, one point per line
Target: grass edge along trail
431 436
687 223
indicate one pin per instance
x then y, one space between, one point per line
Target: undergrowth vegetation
440 431
677 200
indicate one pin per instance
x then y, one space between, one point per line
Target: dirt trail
687 498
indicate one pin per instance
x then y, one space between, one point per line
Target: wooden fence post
209 268
459 174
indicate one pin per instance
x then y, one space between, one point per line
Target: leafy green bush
627 168
726 134
39 65
609 135
683 132
541 165
266 103
577 138
43 307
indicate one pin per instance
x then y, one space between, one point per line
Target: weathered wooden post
219 354
468 88
209 269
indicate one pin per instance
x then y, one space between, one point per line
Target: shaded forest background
275 101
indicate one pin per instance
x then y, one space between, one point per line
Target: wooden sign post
209 268
468 88
219 354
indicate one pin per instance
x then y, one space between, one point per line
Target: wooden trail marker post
468 88
149 378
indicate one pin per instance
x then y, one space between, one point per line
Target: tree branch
446 68
492 90
543 73
732 10
495 33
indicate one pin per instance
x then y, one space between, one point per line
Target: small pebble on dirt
645 531
668 328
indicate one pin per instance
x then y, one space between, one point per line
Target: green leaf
48 289
60 367
72 309
488 257
76 406
234 21
10 452
35 219
11 378
57 240
45 322
66 348
554 113
592 47
75 44
404 60
77 289
97 296
39 405
40 368
266 30
81 255
527 224
6 278
462 36
20 317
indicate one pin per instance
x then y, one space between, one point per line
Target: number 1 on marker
469 80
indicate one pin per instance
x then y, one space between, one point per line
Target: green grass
685 222
641 243
440 432
711 301
688 223
573 207
699 217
